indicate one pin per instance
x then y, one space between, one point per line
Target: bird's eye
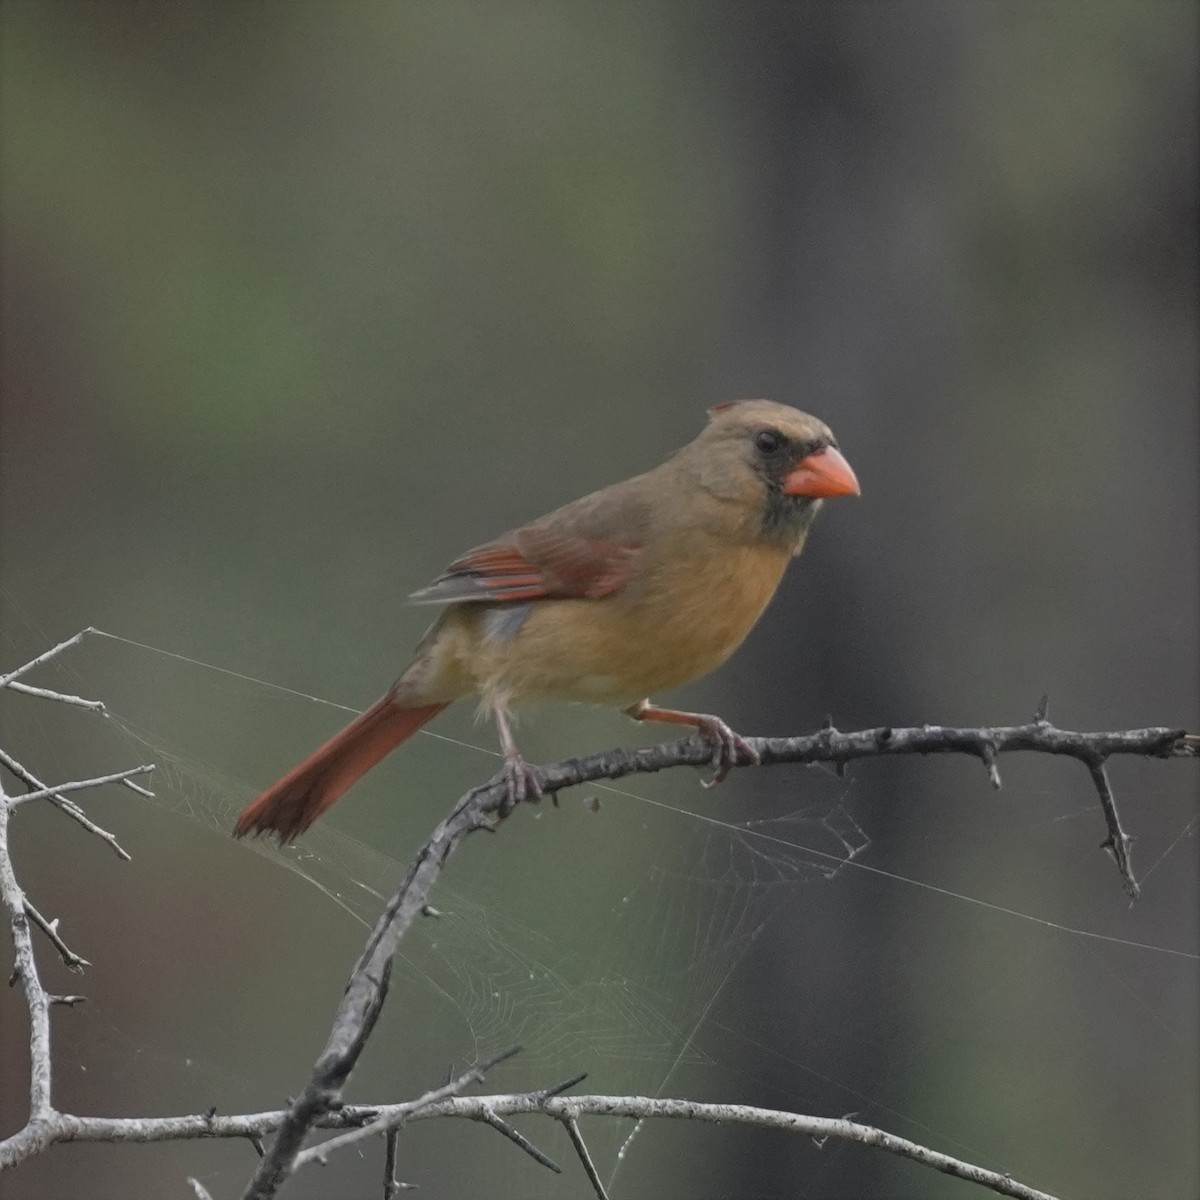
768 441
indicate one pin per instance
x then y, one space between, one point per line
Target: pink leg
519 778
728 747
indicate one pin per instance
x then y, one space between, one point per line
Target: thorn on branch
202 1193
559 1088
397 1116
496 1059
68 1001
487 822
988 753
819 1142
1041 715
74 962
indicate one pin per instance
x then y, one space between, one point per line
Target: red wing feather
534 563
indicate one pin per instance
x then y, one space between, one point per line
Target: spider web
630 970
692 916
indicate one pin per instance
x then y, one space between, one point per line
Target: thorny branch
398 1115
320 1106
485 807
43 1126
64 805
490 1110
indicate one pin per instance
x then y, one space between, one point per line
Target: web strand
740 831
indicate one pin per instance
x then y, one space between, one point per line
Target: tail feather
306 791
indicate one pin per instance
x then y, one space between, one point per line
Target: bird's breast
673 624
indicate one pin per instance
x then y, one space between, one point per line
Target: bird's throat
788 519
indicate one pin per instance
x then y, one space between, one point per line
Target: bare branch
46 656
649 1108
61 697
67 806
320 1106
519 1139
391 1185
400 1114
66 1128
74 961
365 992
589 1167
36 999
79 784
1118 841
487 806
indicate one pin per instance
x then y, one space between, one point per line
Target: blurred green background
302 299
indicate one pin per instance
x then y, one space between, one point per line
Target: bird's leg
727 746
519 777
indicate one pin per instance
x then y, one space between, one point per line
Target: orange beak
825 473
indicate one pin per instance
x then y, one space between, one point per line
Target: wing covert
534 563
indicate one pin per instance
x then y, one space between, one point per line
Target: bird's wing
534 563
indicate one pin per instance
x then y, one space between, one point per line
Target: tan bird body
638 588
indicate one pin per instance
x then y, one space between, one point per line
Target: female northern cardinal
643 586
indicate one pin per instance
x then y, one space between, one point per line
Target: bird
635 589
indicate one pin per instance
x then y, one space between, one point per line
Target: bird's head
772 460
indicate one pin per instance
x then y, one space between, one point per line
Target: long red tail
323 778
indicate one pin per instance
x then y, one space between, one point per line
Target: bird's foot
521 781
728 748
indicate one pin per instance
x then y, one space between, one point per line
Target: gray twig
79 785
46 656
589 1168
518 1138
63 1127
38 1129
391 1185
1118 841
566 1085
397 1115
68 806
61 697
75 961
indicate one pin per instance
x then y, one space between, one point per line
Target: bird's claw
520 781
728 749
